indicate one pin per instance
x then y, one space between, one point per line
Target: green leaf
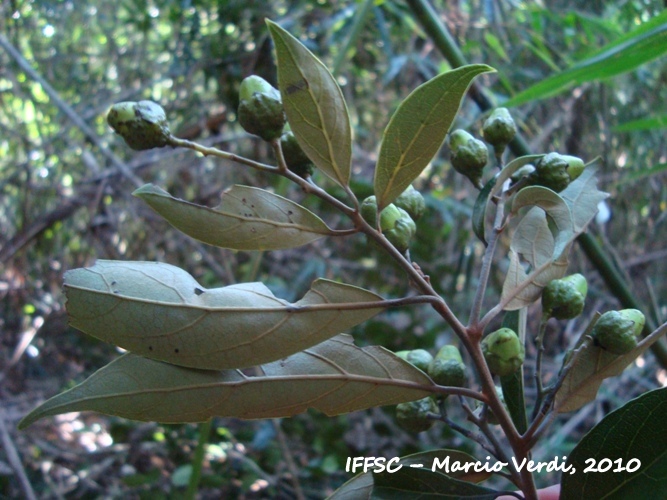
160 311
422 483
651 123
583 197
247 219
333 377
590 366
418 128
361 485
479 209
314 106
646 43
636 431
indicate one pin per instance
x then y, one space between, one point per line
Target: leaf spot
295 87
199 291
177 350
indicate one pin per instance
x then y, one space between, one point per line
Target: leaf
533 241
636 431
583 197
247 219
361 485
314 106
479 209
651 123
333 377
647 42
555 207
160 311
417 130
591 365
424 484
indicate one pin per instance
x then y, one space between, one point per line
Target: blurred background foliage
65 200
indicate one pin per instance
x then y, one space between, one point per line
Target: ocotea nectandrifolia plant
187 344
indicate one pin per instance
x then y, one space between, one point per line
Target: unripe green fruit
396 224
403 231
468 155
447 367
499 129
297 161
143 124
618 331
420 358
503 351
413 416
260 108
551 172
575 166
565 298
412 202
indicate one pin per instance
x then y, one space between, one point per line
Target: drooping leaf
361 485
417 130
314 106
247 218
423 483
333 377
635 435
646 43
160 311
592 365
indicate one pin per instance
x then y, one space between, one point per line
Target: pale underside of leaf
160 311
314 106
534 242
333 377
417 130
591 366
247 218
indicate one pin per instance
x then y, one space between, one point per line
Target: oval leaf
247 219
333 377
160 311
636 431
314 106
418 128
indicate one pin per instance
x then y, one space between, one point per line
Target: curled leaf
161 312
